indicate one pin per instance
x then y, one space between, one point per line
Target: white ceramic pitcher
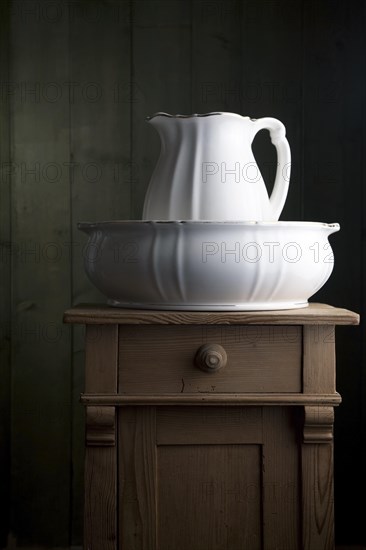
207 171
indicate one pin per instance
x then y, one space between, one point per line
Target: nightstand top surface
314 314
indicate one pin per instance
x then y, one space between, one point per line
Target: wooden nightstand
209 430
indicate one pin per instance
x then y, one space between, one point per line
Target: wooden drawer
156 359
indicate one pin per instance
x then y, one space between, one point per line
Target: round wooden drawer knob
210 357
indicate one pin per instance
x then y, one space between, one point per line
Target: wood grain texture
314 314
214 398
281 483
158 499
100 515
317 496
137 496
100 532
209 478
209 497
101 353
319 359
212 425
156 360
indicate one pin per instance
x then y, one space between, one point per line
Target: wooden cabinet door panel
209 497
208 478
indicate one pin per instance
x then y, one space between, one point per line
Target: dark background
77 81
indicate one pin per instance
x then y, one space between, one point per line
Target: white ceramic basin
198 265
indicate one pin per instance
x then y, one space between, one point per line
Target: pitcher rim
196 115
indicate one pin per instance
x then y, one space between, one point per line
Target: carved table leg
317 479
317 448
100 516
100 479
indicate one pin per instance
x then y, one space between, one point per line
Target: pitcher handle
278 138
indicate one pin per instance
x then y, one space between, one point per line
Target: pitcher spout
333 228
86 227
162 122
159 119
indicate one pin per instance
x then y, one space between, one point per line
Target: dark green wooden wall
78 79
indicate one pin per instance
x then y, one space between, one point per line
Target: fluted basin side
208 265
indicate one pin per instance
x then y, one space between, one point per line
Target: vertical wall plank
5 276
235 69
161 72
271 85
101 174
41 275
216 56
